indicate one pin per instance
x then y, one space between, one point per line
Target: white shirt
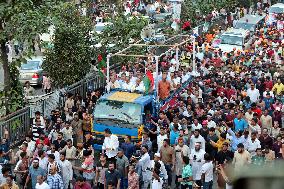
163 169
110 145
31 146
193 140
44 185
207 169
127 86
56 154
270 93
43 162
140 87
211 124
160 140
252 146
253 94
66 169
194 127
197 160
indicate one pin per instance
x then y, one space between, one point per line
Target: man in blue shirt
128 147
174 134
237 138
240 123
34 171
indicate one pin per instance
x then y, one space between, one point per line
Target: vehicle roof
236 32
280 5
123 96
252 19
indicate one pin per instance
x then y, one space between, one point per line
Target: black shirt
112 176
60 144
222 156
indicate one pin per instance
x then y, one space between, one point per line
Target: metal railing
90 83
15 126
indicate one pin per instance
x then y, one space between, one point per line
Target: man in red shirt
268 83
82 184
42 140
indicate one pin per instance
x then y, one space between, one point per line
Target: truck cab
124 113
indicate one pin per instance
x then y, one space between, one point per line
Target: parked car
32 71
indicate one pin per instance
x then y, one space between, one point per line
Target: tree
120 32
69 59
20 20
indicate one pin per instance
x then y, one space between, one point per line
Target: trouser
169 172
100 186
123 183
186 186
208 185
146 184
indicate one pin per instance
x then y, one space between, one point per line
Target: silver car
32 71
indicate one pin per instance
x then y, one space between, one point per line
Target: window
231 40
122 113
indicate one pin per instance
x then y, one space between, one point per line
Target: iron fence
15 126
90 83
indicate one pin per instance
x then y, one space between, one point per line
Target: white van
238 39
249 22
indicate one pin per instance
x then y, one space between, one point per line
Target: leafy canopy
68 61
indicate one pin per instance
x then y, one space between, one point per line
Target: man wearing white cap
197 160
157 158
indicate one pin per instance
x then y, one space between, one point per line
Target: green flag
101 65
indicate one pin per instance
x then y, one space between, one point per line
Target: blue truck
124 113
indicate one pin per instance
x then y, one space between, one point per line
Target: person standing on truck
164 87
110 145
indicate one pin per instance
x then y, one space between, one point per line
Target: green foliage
21 20
69 59
15 124
119 33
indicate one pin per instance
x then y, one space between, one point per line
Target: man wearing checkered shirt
54 180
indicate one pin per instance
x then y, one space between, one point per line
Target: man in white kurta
66 169
197 160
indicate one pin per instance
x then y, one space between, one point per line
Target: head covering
157 154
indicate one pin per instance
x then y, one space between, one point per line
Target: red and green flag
148 81
101 65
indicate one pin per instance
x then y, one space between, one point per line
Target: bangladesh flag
148 81
101 65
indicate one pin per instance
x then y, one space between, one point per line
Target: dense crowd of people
230 116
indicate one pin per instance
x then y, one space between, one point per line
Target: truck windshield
231 40
246 26
122 112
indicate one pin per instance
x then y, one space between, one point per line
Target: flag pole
108 59
156 79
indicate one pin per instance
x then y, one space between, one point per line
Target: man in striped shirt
37 129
